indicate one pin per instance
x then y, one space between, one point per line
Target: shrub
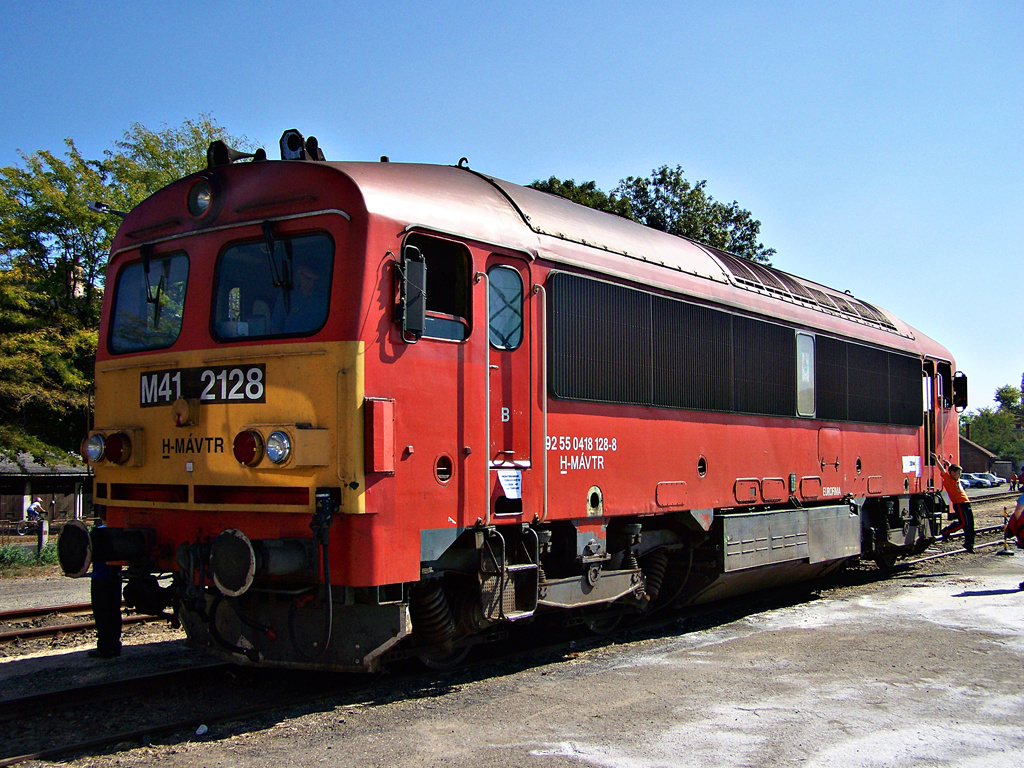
16 557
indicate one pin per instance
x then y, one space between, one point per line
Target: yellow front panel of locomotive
312 392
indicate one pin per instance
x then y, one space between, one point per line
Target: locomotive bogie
291 629
364 410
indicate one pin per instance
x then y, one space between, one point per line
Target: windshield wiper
281 278
145 252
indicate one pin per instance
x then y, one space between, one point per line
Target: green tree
48 231
1008 397
53 258
145 161
668 202
997 431
586 194
46 369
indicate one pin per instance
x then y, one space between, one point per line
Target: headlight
93 448
248 447
200 198
279 447
118 448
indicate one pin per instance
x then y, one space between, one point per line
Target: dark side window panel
615 344
618 345
859 383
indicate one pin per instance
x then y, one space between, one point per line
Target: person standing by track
105 594
961 504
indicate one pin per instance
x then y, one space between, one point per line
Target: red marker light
118 448
248 447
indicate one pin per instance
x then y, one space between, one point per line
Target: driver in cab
304 308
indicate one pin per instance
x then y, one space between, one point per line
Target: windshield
148 303
284 293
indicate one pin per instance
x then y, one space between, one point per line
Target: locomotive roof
472 204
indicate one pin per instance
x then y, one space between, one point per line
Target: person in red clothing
1015 525
961 504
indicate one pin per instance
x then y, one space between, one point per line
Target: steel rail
77 626
960 550
13 709
34 613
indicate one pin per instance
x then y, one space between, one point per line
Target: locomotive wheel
603 623
885 559
442 659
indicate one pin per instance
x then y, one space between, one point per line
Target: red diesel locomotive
361 409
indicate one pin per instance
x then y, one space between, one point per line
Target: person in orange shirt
961 504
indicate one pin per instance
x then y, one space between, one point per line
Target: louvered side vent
868 377
692 356
764 368
830 386
858 383
613 344
601 341
905 391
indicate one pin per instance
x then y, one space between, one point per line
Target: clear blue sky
879 143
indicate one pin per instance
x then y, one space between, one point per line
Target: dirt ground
921 670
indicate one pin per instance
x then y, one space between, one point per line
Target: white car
976 481
995 480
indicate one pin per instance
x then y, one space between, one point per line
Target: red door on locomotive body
510 387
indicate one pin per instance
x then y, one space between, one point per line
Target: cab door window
505 307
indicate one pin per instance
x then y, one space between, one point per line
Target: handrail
538 288
487 394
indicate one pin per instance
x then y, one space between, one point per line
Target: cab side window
945 385
448 285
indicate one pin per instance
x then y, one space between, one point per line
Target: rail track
153 705
24 623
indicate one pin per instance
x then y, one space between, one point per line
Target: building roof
964 441
25 465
